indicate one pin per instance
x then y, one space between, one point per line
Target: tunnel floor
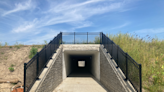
80 73
79 84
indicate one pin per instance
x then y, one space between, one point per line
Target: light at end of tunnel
81 63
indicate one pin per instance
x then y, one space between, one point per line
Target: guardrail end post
25 77
140 74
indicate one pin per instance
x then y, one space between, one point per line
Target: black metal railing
81 37
129 67
35 66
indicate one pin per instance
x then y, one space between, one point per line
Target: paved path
79 84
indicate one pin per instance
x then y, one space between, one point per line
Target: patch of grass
149 53
11 68
12 65
33 51
2 52
10 47
18 45
13 83
38 46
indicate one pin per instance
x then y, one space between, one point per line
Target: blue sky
33 21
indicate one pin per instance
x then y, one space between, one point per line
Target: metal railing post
112 50
126 67
61 38
107 45
25 77
140 74
55 45
50 47
117 57
101 38
74 37
87 37
37 67
45 54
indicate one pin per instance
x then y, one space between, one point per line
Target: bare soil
13 56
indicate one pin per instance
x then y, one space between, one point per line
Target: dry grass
150 53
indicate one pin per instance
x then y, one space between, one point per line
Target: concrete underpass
82 71
81 68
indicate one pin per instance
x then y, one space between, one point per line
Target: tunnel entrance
90 59
80 65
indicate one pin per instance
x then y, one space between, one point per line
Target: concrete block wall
53 77
108 76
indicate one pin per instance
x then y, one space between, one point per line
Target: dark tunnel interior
80 71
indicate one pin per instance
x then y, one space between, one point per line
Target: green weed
11 69
33 51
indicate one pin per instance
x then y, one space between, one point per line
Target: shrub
33 51
11 69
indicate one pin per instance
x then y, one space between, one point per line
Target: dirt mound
16 57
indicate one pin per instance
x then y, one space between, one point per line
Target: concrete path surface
79 84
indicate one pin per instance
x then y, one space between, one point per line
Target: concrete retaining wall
53 77
108 76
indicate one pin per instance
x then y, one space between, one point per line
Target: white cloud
152 31
82 25
70 13
20 7
121 26
40 39
25 27
73 13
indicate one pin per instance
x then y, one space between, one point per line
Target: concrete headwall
95 69
108 75
53 76
81 49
